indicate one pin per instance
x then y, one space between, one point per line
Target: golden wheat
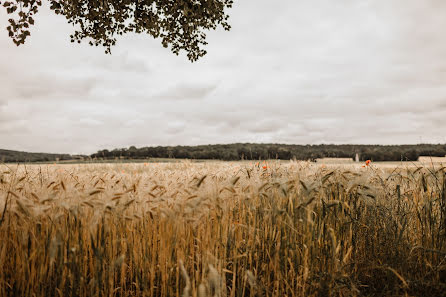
222 229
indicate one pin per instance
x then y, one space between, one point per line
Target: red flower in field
367 163
265 167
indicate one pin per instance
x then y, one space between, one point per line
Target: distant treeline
248 151
8 156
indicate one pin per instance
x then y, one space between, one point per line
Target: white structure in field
357 158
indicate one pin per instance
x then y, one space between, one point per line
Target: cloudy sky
289 71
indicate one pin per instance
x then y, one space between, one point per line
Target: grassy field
223 229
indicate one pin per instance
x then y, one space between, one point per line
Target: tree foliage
248 151
9 156
254 151
180 24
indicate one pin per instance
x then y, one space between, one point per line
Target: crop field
222 229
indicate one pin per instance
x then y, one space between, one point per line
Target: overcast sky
289 71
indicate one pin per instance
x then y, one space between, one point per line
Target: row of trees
248 151
9 156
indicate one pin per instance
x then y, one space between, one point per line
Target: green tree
180 24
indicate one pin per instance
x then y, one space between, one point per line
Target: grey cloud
442 103
31 83
266 126
187 92
90 122
124 62
47 87
175 127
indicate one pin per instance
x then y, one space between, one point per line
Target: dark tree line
248 151
9 156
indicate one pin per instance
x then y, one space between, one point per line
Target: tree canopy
255 151
248 151
180 24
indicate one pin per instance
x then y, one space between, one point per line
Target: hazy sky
289 71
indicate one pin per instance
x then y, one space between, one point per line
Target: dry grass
222 229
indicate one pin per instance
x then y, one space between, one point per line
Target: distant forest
248 151
245 151
9 156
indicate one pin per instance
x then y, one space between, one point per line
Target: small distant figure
357 158
367 164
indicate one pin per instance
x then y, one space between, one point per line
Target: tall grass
222 229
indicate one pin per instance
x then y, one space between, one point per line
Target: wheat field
222 229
